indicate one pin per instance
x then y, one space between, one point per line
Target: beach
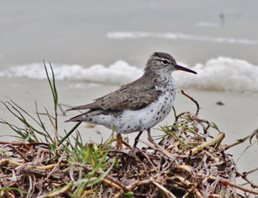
96 47
235 117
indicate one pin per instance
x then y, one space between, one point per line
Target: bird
139 105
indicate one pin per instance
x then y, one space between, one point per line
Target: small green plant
63 165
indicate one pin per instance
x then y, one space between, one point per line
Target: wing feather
133 96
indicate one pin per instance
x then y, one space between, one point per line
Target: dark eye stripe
165 62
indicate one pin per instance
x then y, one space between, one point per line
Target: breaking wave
180 36
220 73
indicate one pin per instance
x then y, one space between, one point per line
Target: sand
237 117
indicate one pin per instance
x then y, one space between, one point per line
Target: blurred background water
86 33
69 32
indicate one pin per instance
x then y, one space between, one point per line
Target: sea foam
179 36
119 72
220 73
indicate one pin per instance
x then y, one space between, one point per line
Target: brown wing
135 95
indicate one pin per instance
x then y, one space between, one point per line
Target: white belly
139 120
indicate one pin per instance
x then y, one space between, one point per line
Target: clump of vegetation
189 160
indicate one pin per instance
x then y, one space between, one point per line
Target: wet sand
237 117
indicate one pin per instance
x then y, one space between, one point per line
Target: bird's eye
165 62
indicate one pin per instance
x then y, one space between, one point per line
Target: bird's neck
162 80
164 75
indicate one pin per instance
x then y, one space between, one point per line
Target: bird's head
160 61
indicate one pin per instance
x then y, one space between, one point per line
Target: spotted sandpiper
139 105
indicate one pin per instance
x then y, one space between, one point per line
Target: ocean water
109 42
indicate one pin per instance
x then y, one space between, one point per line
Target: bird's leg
120 142
136 140
149 137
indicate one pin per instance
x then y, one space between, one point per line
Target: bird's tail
79 118
86 116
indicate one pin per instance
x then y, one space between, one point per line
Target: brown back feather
133 96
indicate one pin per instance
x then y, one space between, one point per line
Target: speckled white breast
138 120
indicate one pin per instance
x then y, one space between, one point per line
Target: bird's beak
179 67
